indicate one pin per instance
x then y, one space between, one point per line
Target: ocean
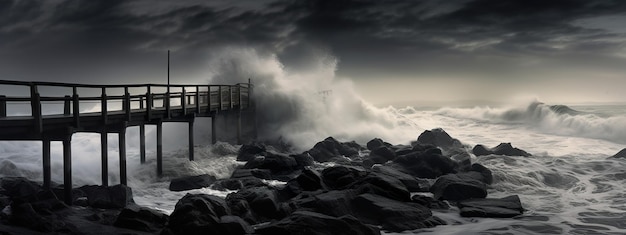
568 186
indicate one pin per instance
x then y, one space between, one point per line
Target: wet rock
191 182
262 202
620 154
197 214
382 185
227 184
456 187
275 163
382 154
411 183
376 143
339 177
24 215
310 180
430 202
117 196
505 149
428 163
250 151
330 149
257 173
491 207
334 202
141 218
487 176
438 137
234 225
19 189
307 222
393 215
303 160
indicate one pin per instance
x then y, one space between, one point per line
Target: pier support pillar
104 153
191 153
142 143
46 164
159 156
122 146
67 171
239 139
214 129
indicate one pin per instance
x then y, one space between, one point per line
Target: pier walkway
111 109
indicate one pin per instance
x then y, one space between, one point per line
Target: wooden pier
130 105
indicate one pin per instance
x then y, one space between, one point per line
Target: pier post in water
104 152
67 170
191 153
159 155
122 147
46 164
142 143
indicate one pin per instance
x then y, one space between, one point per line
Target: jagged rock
197 214
227 184
24 215
393 215
19 189
438 137
462 158
428 163
411 183
312 223
310 180
191 182
250 151
141 218
333 203
382 154
261 201
245 173
382 185
275 163
456 187
430 202
303 160
491 207
330 148
402 150
620 154
484 171
339 177
234 225
505 149
117 196
376 143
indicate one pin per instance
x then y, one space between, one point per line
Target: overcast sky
566 51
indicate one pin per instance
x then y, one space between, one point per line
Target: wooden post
213 129
149 104
159 149
230 97
183 100
142 143
122 147
127 103
208 97
46 164
104 163
141 106
3 106
191 152
76 108
103 107
197 99
67 170
220 98
35 102
67 105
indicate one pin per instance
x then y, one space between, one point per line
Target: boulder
330 149
274 162
430 202
191 182
382 154
620 154
141 218
339 177
19 189
24 215
227 184
487 176
425 164
117 196
411 183
382 185
310 180
438 137
376 143
250 151
505 149
491 207
197 214
234 225
456 187
393 215
261 201
256 173
312 223
333 203
303 160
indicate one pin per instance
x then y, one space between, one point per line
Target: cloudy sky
566 51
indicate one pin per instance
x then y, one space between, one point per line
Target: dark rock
227 184
275 163
462 158
310 180
505 149
141 218
382 154
456 187
484 171
491 207
620 154
402 150
117 196
382 185
24 215
249 151
339 177
425 164
438 137
191 182
303 160
197 214
19 189
376 143
234 225
334 203
393 215
411 183
245 173
330 149
430 202
311 223
261 201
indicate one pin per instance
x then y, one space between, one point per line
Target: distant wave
550 119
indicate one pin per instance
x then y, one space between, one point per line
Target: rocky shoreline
333 188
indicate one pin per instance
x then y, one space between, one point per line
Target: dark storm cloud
71 38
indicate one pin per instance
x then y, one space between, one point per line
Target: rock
393 215
275 163
24 215
141 218
339 177
382 154
411 183
310 180
245 173
197 214
376 143
250 151
303 160
382 185
425 164
227 184
456 187
505 149
19 189
620 154
191 182
333 203
462 159
329 149
312 223
491 207
402 150
438 137
430 202
234 225
117 196
261 201
484 171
